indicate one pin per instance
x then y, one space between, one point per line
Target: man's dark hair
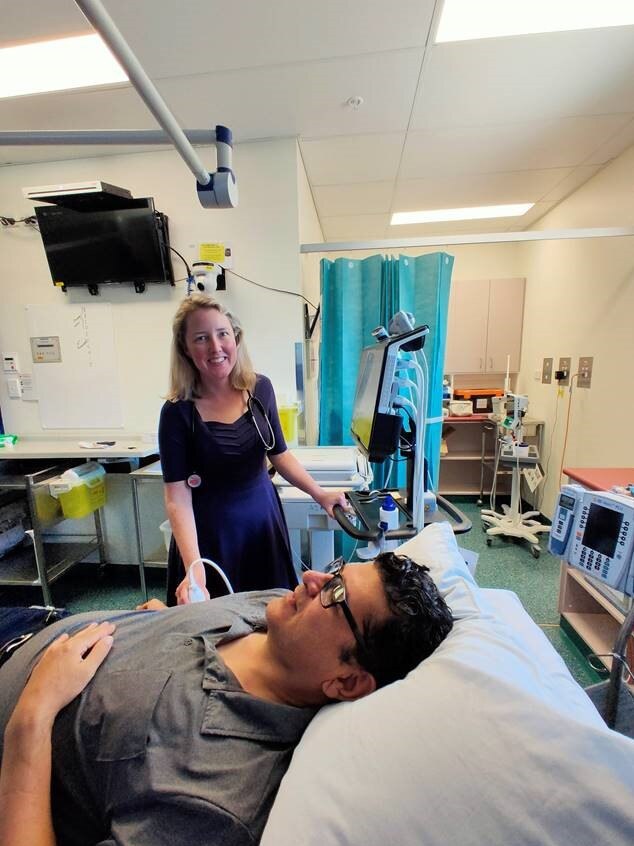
421 619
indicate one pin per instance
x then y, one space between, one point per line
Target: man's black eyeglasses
334 593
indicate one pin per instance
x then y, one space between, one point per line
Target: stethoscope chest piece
194 481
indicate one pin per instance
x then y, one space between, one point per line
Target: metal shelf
18 567
42 561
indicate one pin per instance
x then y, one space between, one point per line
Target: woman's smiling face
211 343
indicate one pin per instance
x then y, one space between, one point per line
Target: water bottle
388 519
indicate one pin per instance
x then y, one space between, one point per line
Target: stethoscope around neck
194 480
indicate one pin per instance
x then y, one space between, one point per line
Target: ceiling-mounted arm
218 190
215 190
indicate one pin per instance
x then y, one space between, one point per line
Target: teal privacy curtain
422 286
356 297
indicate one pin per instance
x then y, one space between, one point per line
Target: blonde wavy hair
184 377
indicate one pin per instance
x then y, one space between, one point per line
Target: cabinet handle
480 364
490 364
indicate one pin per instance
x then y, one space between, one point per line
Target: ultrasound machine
391 387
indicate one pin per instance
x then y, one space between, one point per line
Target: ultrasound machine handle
570 498
349 527
362 505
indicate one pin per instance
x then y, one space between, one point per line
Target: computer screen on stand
375 425
377 422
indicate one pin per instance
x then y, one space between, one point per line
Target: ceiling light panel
475 213
58 65
464 20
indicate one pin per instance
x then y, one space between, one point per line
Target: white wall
580 302
263 232
309 233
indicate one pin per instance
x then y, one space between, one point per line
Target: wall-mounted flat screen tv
97 246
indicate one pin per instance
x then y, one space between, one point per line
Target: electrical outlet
564 364
585 372
547 371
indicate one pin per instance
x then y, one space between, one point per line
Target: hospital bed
489 741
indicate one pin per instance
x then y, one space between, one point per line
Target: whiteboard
82 390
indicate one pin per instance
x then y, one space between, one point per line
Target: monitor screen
376 433
603 528
106 245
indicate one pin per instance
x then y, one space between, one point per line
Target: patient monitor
594 531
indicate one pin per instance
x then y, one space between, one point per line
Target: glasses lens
335 567
333 592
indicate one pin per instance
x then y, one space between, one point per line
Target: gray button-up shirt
164 746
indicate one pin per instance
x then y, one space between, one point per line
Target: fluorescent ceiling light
463 20
57 65
475 213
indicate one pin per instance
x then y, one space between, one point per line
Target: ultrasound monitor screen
368 387
602 531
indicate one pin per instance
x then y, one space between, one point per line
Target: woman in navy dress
216 429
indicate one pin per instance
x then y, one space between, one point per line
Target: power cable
268 287
31 220
187 267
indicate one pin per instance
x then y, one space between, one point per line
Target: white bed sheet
489 741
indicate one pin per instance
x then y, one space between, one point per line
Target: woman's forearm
290 468
180 512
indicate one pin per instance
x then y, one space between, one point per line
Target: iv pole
217 190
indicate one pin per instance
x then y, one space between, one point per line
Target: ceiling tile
361 227
527 220
58 153
575 180
112 107
356 158
501 80
307 100
494 121
520 146
33 20
361 198
476 189
199 36
615 145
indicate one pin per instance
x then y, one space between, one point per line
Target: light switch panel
14 387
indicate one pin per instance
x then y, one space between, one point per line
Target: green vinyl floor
505 564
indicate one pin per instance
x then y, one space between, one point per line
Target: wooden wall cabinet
484 325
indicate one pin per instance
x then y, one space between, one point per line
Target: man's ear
348 686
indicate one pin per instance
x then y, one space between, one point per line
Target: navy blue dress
238 514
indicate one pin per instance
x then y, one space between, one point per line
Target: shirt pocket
122 712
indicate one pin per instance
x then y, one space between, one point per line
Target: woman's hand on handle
328 499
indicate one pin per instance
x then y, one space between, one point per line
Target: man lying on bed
184 734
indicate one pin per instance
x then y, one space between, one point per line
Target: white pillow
488 741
